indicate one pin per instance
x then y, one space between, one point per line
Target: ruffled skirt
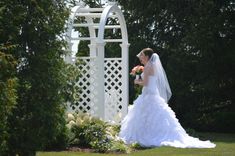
151 122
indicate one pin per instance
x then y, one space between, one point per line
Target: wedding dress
151 122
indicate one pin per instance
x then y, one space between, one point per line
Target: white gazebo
104 81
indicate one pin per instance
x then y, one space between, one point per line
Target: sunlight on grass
225 146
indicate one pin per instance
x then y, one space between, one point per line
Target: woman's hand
138 82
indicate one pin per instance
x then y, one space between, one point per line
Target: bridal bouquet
136 71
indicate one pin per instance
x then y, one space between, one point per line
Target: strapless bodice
151 87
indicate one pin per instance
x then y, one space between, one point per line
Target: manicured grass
225 146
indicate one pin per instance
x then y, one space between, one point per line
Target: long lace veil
160 76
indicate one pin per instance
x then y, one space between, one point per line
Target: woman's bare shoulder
149 70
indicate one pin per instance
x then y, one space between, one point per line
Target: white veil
160 76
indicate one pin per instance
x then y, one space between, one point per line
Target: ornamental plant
90 132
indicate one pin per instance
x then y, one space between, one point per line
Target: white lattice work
87 84
104 81
113 89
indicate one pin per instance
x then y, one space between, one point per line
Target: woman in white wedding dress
150 121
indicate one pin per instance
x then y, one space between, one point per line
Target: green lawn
225 146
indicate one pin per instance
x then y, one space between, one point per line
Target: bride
151 122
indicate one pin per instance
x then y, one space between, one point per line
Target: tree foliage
8 84
195 40
35 28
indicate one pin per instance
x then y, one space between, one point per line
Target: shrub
91 132
118 146
88 132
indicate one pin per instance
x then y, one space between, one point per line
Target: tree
8 79
8 84
36 28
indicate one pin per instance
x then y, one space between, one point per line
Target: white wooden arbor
104 81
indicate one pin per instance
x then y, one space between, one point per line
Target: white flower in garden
109 136
87 117
109 129
79 121
70 117
70 124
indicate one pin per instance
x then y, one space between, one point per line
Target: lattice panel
87 85
113 85
113 89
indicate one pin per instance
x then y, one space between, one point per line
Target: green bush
118 146
91 132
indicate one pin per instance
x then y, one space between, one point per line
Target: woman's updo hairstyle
148 52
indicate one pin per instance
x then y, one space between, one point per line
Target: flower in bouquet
137 70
